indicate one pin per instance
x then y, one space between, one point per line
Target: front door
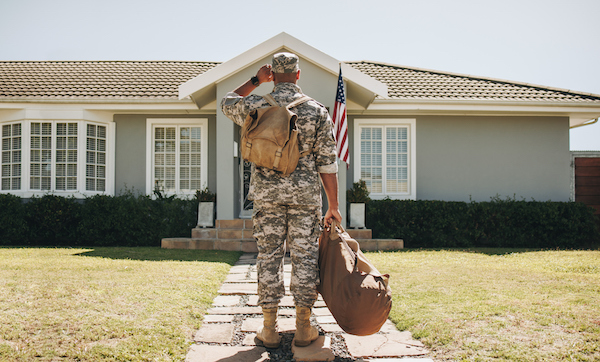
246 205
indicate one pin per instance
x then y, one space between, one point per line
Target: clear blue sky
545 42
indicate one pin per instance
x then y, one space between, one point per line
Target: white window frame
80 191
151 123
411 125
10 153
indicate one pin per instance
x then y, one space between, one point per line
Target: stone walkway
228 332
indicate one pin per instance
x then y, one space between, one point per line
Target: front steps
236 235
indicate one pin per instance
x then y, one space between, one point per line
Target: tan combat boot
268 333
305 333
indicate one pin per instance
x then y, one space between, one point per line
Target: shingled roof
421 84
30 80
96 79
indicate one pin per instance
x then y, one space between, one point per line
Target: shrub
13 227
359 193
497 223
125 220
52 220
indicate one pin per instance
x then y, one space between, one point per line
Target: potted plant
206 207
357 196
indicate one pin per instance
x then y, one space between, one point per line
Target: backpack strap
298 101
269 98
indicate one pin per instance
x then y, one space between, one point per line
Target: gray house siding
476 158
462 158
130 150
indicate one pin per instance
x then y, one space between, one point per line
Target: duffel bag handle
359 259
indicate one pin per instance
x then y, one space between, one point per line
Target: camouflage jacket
301 187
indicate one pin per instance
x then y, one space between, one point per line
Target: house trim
202 88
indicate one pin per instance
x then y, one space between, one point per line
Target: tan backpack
270 136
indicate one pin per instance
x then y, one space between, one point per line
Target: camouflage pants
299 227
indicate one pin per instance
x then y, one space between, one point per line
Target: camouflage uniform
289 208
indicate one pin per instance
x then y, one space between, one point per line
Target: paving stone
237 289
219 318
381 345
215 333
331 328
235 310
252 324
321 312
284 324
319 350
238 278
320 304
287 312
239 269
326 320
286 301
252 300
251 340
239 262
388 327
226 300
207 353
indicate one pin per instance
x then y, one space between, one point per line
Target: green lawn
105 304
500 305
143 304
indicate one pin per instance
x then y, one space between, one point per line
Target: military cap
285 63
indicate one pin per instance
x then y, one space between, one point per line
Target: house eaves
361 88
422 91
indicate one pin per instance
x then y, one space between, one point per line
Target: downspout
585 124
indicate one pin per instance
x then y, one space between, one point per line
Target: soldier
289 208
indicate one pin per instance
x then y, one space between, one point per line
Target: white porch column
225 167
342 190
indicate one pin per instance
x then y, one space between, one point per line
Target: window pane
177 153
101 185
170 133
11 156
96 141
384 158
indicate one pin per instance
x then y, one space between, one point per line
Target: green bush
497 223
129 220
52 220
13 227
125 220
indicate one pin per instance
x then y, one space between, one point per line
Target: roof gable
361 88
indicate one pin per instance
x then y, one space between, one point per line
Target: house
82 128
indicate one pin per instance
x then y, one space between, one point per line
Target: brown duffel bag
357 295
270 136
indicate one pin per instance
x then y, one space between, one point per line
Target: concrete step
242 229
249 245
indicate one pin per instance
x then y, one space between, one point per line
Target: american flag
340 124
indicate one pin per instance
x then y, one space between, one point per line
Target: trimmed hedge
125 220
129 220
498 223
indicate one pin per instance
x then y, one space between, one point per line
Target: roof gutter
585 123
